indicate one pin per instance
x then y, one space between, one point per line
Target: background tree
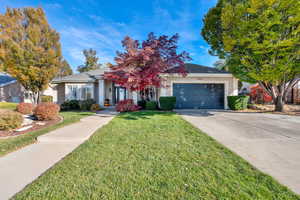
260 41
65 69
141 64
91 61
220 64
29 49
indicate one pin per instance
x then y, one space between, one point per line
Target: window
80 92
86 92
73 92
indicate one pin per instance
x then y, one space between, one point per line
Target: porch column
101 85
135 97
235 91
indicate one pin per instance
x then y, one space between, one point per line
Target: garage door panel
202 96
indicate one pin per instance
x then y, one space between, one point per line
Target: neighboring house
203 87
12 91
293 96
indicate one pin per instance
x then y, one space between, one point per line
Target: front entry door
120 94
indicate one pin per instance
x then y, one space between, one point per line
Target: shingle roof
89 76
5 79
194 68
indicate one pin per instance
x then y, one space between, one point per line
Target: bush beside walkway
14 143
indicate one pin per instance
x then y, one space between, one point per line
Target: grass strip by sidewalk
153 155
14 143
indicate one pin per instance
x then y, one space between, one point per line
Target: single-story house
12 91
203 87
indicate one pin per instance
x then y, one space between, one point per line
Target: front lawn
153 155
14 143
8 105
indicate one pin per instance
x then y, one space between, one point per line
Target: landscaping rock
24 128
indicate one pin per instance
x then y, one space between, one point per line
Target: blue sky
102 24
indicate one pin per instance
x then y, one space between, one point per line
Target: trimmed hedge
151 105
142 104
84 105
167 103
10 120
25 108
238 102
46 98
46 111
127 105
70 105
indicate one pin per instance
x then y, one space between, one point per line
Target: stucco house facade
203 87
12 91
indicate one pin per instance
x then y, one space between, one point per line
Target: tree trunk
38 97
279 104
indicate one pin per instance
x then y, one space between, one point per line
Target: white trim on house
200 75
101 93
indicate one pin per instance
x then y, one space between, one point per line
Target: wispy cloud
105 34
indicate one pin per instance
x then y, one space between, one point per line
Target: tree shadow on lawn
144 114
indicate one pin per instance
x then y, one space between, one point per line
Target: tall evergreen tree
91 61
30 50
260 41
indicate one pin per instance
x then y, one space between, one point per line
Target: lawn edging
8 145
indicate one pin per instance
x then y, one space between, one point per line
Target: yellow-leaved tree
30 50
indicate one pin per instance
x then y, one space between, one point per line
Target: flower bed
35 125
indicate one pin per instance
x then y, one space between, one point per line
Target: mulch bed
35 126
290 110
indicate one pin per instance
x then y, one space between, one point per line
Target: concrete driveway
270 142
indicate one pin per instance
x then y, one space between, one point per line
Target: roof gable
194 68
6 79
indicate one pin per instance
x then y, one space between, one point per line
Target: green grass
153 155
14 143
8 105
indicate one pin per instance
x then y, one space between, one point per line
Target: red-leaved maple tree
141 64
259 95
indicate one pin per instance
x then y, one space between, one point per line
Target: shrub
126 106
151 105
86 104
70 105
259 95
95 107
238 102
10 119
46 98
142 104
46 111
25 108
167 103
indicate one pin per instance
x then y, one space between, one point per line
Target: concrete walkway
270 142
21 167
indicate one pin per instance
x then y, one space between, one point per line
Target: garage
199 96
